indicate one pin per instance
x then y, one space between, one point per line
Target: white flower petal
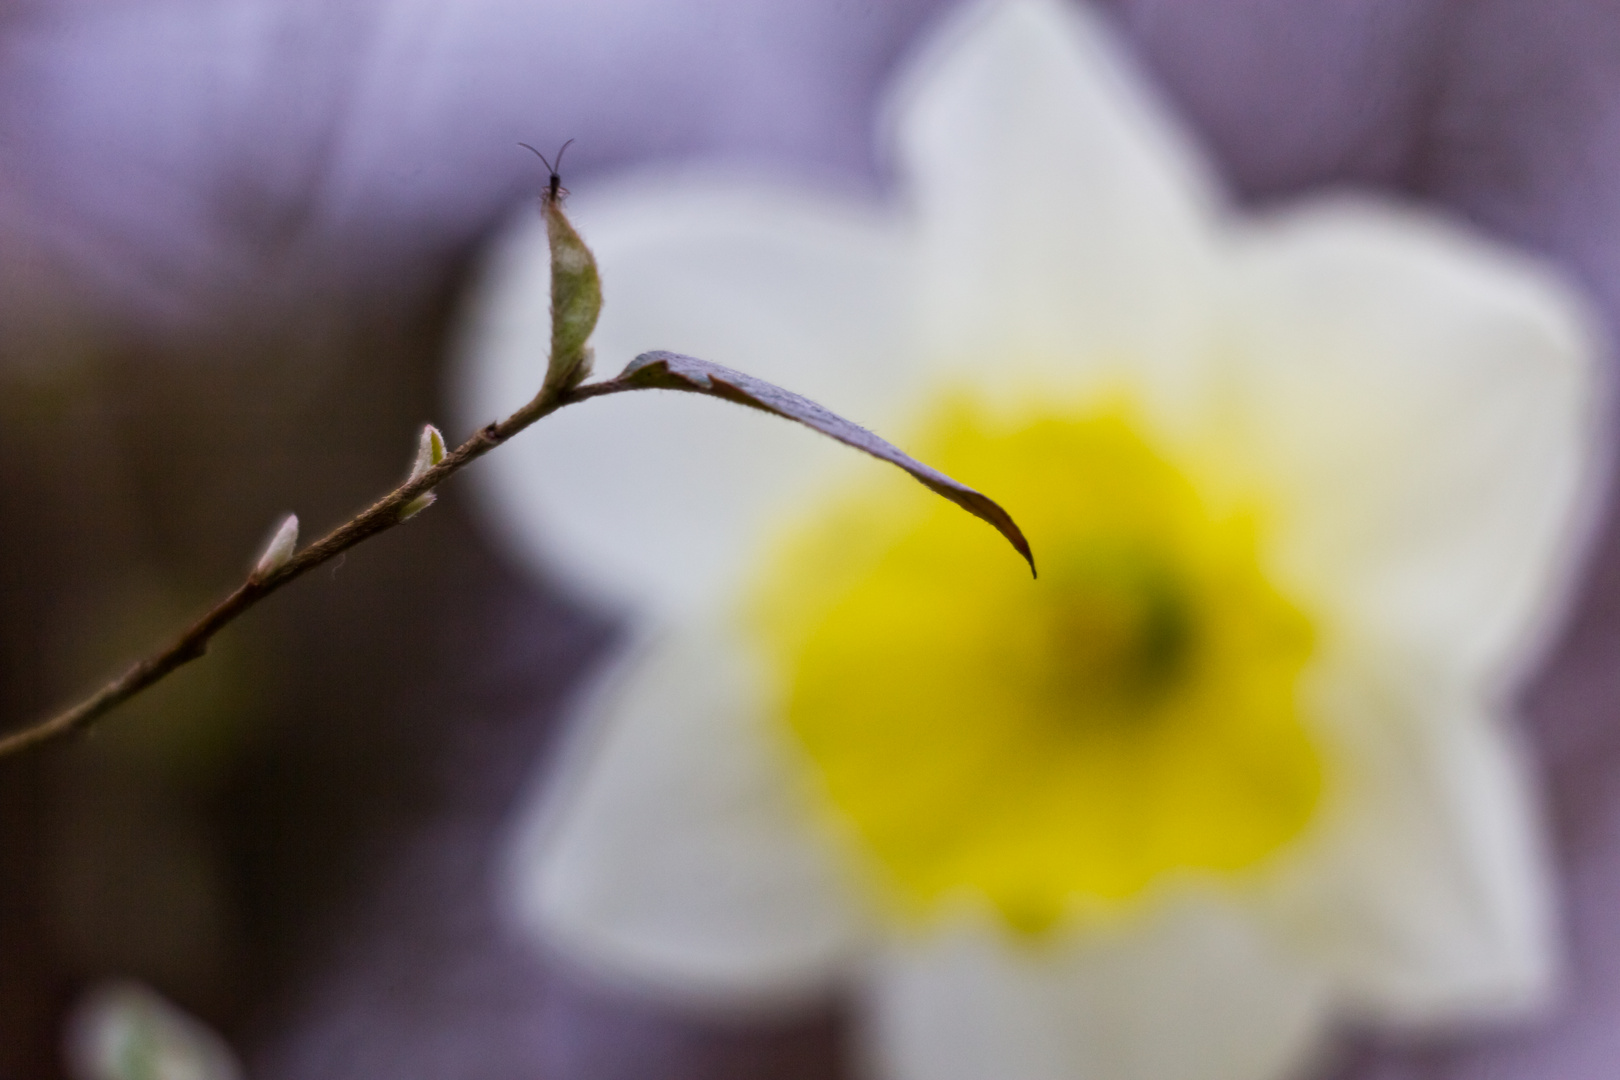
1065 223
1418 404
1427 404
671 846
653 500
1426 892
1195 992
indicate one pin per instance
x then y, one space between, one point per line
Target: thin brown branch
379 517
653 370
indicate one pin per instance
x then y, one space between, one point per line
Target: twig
649 371
576 300
380 516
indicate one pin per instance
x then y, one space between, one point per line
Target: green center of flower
1053 743
1109 635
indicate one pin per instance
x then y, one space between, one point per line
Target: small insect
554 192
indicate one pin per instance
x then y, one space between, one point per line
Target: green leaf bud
576 300
429 452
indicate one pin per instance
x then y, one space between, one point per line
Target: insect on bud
283 542
576 288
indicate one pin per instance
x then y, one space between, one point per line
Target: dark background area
232 240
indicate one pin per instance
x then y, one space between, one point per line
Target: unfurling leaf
576 300
672 371
280 547
429 452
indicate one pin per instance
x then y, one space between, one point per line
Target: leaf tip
992 513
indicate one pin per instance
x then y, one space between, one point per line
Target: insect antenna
554 189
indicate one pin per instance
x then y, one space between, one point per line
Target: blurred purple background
232 235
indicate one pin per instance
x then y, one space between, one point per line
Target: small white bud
283 542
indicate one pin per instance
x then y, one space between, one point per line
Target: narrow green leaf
673 371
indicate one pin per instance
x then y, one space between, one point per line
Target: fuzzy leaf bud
283 542
576 299
429 452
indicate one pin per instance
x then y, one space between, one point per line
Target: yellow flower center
1050 744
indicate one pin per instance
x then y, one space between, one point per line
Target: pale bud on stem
283 542
429 452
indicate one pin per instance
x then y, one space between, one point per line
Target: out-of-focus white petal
1425 889
1194 992
654 500
1064 221
1412 410
1427 403
672 846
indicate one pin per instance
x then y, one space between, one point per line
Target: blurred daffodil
1303 489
